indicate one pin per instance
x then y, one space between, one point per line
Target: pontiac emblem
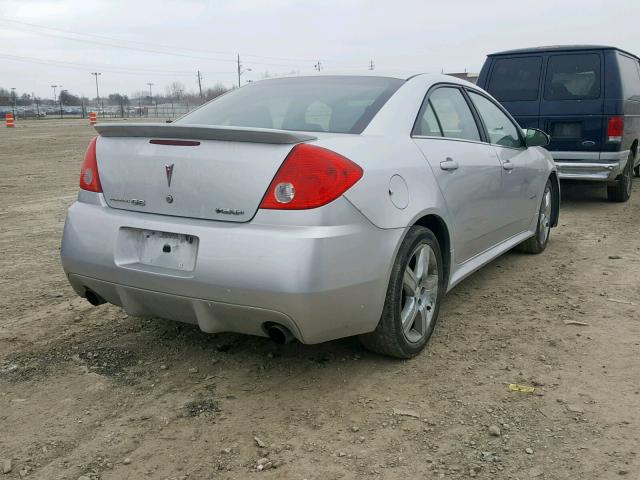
169 171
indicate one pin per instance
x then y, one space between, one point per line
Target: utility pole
54 92
13 94
96 74
35 99
241 71
151 96
199 85
60 100
371 64
318 66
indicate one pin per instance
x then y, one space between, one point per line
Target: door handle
449 164
508 166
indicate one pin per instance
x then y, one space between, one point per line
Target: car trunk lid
213 173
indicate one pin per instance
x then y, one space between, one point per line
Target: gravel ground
91 393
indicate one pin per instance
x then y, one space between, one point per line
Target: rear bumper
591 166
323 282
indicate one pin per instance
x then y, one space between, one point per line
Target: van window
573 77
630 76
514 79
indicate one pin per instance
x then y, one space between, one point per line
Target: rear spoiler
201 132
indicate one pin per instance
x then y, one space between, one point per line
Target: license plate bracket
168 250
153 250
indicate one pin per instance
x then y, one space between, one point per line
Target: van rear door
515 82
571 107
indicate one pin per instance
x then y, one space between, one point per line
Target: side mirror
536 138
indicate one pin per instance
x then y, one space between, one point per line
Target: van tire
621 190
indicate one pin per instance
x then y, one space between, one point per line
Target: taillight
89 178
310 177
615 128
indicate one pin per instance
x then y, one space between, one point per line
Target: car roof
560 48
404 75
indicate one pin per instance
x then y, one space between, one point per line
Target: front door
520 167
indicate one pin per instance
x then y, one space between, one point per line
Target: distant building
469 77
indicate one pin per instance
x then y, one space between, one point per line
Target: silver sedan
311 208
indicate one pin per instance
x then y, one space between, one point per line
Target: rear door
467 170
515 82
571 109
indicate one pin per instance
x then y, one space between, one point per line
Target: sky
132 43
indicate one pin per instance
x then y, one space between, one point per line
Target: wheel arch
438 226
555 191
634 149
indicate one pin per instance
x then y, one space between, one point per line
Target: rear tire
411 306
621 190
538 242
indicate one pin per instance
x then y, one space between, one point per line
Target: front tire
538 242
415 290
621 190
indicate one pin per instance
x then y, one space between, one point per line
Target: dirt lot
91 393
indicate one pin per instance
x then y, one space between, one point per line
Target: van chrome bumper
592 166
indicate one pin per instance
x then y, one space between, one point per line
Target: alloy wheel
419 293
544 218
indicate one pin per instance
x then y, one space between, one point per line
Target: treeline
175 92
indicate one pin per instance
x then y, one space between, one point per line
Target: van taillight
89 178
615 128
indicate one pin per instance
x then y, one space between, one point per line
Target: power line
114 69
142 49
153 48
174 47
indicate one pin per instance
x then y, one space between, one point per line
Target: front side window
515 79
573 77
453 114
340 104
500 128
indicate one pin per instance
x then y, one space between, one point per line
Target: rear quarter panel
386 149
382 159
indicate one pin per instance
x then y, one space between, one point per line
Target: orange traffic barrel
93 118
9 120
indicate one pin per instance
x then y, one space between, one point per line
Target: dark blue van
586 97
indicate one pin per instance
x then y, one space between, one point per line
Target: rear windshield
310 104
573 77
515 79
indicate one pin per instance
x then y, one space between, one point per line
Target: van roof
560 48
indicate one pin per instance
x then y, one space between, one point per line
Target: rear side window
427 124
453 114
515 79
573 77
340 104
